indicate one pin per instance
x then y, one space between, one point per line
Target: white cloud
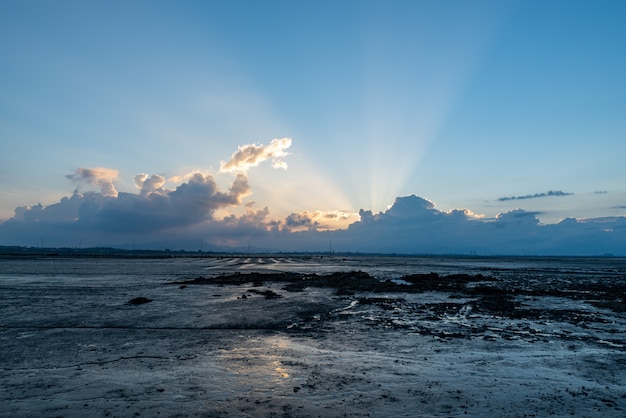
149 184
99 176
252 155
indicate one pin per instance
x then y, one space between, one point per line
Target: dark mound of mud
268 294
139 301
344 282
352 281
433 281
257 279
491 294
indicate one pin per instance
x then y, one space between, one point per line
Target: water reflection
263 363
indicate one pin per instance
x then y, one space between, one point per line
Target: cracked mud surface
303 336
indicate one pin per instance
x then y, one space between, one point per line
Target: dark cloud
318 220
301 221
414 225
189 204
159 218
551 193
154 210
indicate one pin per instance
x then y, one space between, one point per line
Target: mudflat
303 336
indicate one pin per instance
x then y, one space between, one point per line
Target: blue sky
461 103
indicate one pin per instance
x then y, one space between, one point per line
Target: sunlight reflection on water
261 361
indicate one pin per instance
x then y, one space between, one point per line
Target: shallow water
74 346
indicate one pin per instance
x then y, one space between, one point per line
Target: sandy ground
253 349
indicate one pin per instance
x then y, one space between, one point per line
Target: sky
292 125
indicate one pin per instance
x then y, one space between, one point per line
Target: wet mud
299 339
480 296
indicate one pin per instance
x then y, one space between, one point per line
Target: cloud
153 211
66 210
252 155
319 220
149 184
157 209
185 177
297 221
413 225
109 216
158 217
551 193
99 176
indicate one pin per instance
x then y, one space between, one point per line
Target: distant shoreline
7 252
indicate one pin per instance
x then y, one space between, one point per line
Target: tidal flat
312 336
